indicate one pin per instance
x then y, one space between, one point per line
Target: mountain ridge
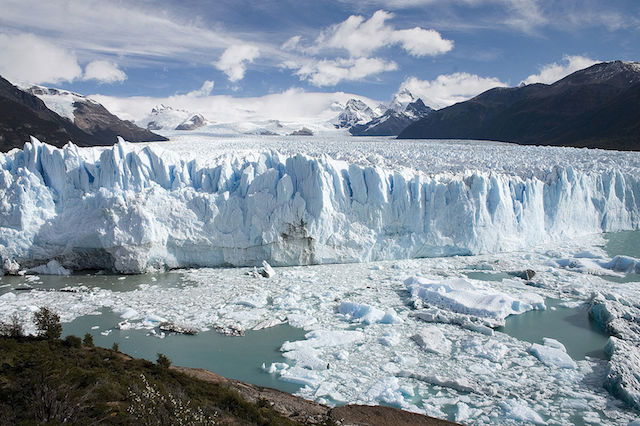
24 114
559 114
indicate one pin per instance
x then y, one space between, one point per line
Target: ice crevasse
129 208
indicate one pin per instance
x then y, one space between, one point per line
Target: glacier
134 208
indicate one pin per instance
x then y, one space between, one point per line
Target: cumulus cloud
290 106
292 43
204 90
31 59
362 37
234 60
104 72
448 89
553 72
330 72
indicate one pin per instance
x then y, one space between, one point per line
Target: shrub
13 328
115 347
47 324
88 340
73 341
163 361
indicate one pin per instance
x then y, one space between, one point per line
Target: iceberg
133 208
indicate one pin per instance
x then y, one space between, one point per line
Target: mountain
192 123
354 112
164 117
23 114
596 107
403 110
91 117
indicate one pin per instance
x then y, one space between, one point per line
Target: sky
261 56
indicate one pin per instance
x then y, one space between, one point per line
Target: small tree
88 340
163 361
115 347
73 341
16 329
47 324
13 328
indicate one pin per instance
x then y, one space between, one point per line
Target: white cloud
362 37
448 89
234 60
292 106
292 43
104 72
553 72
30 59
94 27
330 72
204 90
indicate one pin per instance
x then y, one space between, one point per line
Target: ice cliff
129 208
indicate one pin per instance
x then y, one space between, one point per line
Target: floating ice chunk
431 339
275 367
553 343
463 412
365 313
267 271
368 314
129 314
491 349
10 267
253 300
390 338
625 264
306 357
301 376
460 384
462 296
300 320
519 411
623 379
552 356
387 390
53 267
325 338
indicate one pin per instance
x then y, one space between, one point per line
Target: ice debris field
402 325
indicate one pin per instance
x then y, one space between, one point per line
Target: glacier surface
131 208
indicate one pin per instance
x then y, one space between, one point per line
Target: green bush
73 341
163 361
88 340
47 324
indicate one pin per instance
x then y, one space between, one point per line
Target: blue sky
444 50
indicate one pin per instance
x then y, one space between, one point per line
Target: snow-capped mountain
192 123
403 110
59 101
401 100
59 116
354 112
164 117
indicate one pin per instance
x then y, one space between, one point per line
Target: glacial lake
238 358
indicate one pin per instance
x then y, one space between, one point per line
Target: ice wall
129 208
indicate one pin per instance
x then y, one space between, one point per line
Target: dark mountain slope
594 107
23 114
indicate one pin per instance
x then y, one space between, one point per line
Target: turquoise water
233 357
110 282
623 243
487 276
570 326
